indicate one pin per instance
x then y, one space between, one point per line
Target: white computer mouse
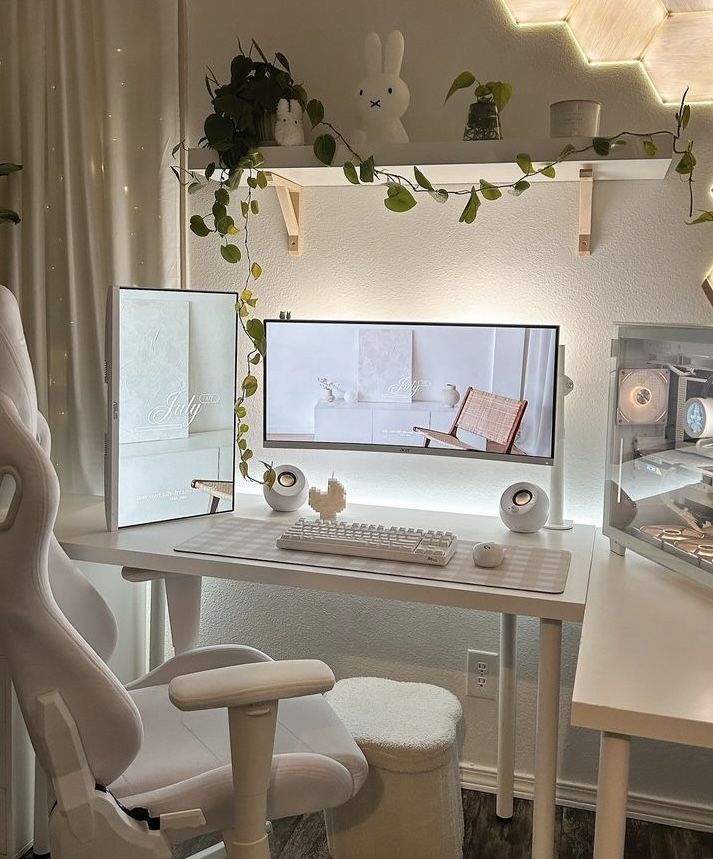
488 554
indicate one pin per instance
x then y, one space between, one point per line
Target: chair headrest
16 377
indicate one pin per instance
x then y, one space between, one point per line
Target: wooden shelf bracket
289 196
586 188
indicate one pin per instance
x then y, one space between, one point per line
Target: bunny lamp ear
283 107
372 53
394 52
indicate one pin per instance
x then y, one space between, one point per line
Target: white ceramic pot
327 396
575 118
450 395
289 491
349 397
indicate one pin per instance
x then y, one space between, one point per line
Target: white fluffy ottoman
410 805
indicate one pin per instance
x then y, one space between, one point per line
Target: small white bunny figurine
382 96
289 128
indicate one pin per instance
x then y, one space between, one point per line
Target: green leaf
399 198
219 132
243 428
440 196
243 466
685 116
244 208
255 359
282 59
242 443
422 180
488 191
315 111
366 169
519 187
350 172
601 145
255 271
249 385
193 187
247 454
173 151
234 177
252 182
222 196
703 218
470 211
226 226
241 411
230 253
254 207
524 162
567 150
462 81
219 212
501 92
269 477
6 167
549 171
261 180
210 170
650 148
255 329
686 164
198 226
324 148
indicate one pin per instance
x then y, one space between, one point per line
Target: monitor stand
565 386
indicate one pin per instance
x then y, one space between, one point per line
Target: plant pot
266 128
483 122
575 118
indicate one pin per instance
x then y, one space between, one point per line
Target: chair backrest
492 416
45 651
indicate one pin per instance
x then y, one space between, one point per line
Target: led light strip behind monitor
486 391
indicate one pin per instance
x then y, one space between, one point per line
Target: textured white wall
518 263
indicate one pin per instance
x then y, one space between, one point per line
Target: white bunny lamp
289 128
383 97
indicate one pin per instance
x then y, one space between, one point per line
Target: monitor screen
465 390
171 374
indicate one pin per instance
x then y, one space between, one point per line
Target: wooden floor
486 838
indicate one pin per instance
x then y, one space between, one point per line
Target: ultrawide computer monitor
464 390
171 424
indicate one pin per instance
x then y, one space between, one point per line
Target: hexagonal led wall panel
539 11
671 38
679 56
611 30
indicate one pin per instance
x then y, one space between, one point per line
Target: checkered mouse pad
523 568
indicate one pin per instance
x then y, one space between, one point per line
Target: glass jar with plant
484 113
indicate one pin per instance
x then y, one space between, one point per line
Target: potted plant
484 113
244 109
8 215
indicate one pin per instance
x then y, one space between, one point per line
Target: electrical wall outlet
482 671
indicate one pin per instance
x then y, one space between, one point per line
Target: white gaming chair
199 745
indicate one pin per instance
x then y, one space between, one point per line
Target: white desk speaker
289 491
524 507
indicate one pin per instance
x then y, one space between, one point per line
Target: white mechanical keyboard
334 537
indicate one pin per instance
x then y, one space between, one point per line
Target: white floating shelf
458 162
461 163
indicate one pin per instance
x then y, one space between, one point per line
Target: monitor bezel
405 449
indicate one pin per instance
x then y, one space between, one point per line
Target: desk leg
507 697
183 594
157 623
548 702
612 789
41 840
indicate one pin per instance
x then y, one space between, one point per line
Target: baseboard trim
573 795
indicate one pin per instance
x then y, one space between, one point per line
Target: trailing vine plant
232 132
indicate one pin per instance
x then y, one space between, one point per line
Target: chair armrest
243 685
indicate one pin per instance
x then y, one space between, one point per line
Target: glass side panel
660 450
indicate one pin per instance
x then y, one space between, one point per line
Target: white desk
80 529
650 623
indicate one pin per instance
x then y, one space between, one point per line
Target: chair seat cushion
184 761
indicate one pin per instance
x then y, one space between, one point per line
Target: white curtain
89 107
535 436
